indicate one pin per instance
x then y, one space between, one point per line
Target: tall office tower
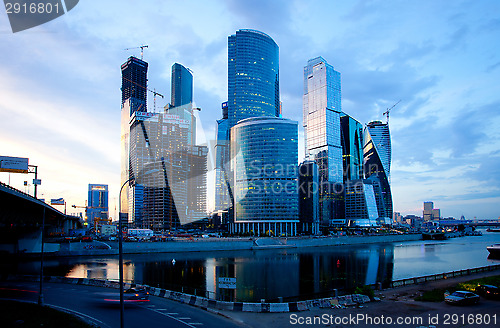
322 135
253 91
436 214
182 86
222 199
352 147
97 206
134 84
308 198
264 158
377 160
134 99
181 98
253 76
428 207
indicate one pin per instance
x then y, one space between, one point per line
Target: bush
365 290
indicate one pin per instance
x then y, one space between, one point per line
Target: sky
60 86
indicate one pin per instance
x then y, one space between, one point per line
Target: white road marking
172 317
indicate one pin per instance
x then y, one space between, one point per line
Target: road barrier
211 304
440 276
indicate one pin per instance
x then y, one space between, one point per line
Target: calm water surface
291 274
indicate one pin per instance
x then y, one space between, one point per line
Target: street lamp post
120 253
40 294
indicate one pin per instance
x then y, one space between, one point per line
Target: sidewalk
394 302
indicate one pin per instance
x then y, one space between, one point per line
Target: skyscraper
222 199
253 76
159 154
134 84
253 91
377 161
352 148
308 198
322 131
428 207
264 158
97 206
134 99
182 86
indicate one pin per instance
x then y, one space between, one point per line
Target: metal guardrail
440 276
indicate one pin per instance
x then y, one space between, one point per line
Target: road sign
227 283
13 164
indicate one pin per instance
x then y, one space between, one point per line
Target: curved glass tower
253 76
377 162
264 160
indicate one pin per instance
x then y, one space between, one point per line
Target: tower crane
152 91
142 49
386 113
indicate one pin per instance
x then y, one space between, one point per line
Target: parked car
462 298
488 291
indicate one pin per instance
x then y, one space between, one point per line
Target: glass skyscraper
97 206
322 131
159 153
253 91
253 76
264 158
377 161
352 148
134 99
182 86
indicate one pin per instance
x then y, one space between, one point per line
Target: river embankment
220 244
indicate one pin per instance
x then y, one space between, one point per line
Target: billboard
57 201
13 164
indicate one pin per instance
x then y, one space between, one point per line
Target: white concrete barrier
278 307
252 307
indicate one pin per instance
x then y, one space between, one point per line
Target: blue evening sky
60 85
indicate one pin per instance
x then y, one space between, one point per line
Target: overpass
21 217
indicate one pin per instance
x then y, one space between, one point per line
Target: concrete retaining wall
231 244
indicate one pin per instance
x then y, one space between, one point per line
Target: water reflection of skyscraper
289 274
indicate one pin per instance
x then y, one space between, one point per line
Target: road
88 302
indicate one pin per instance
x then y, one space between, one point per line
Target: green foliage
471 285
437 295
365 290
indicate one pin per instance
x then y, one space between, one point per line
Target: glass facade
182 86
322 130
264 158
308 198
352 148
377 161
222 201
253 76
253 91
159 153
97 206
361 206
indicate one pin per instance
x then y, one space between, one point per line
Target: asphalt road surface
89 302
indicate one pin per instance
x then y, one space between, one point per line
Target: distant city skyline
60 86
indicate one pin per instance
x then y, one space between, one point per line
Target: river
288 274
